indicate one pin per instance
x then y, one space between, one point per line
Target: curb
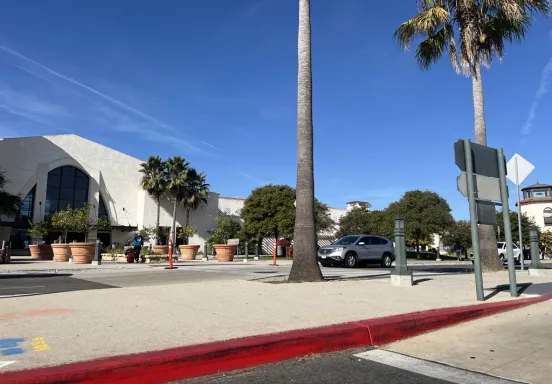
212 358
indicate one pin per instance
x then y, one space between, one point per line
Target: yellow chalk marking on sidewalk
39 344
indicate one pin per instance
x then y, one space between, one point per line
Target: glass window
540 193
67 186
365 240
102 211
347 240
27 205
378 241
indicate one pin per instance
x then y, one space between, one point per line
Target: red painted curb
205 359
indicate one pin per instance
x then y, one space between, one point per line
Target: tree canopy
361 220
425 212
9 203
526 223
270 210
459 233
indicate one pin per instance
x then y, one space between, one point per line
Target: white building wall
535 210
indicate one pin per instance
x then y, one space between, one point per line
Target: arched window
67 186
27 207
547 213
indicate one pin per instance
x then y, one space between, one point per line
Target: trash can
281 250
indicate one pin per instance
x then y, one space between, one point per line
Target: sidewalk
83 325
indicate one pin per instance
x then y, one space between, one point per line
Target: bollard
401 275
246 259
534 241
170 254
97 260
257 250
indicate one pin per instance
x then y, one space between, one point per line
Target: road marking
431 369
34 286
5 363
17 295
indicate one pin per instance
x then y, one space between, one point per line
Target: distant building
356 204
537 203
53 172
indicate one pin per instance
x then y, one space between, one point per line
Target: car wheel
351 260
325 265
502 258
386 261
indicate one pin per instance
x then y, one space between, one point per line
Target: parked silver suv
358 249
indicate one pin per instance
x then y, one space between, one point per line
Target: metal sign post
473 221
507 228
518 169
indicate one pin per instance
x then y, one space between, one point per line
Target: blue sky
215 81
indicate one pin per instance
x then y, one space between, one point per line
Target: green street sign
484 159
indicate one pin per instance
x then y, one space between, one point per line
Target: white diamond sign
524 168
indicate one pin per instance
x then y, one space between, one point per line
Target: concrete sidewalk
516 345
83 325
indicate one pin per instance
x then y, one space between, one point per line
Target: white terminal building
537 204
52 172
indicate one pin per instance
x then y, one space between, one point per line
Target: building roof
537 186
357 202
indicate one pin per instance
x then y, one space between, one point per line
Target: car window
365 240
347 240
499 245
514 246
378 241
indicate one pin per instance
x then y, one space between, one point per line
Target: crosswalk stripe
431 369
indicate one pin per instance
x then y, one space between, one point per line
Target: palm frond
9 204
432 49
423 24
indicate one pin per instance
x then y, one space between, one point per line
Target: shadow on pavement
416 282
32 275
506 287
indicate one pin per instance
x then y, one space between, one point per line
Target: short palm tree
305 265
197 191
177 179
483 27
9 203
154 182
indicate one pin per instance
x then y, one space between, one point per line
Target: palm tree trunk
305 265
490 261
157 239
173 231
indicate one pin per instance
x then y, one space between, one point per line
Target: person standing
138 242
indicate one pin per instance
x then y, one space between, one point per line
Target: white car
501 247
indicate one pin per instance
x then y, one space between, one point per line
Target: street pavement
516 345
351 367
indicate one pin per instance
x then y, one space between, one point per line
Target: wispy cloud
155 130
209 145
253 178
544 87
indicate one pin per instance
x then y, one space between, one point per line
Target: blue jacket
138 240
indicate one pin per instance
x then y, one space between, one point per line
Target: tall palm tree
9 203
305 266
177 178
197 191
484 27
154 182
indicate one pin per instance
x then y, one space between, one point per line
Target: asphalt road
346 368
11 286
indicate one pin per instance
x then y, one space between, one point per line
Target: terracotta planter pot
161 249
61 252
41 252
225 252
188 252
82 253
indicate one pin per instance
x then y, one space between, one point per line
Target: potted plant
82 253
188 251
161 234
226 229
39 251
62 221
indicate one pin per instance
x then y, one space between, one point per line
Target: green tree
362 220
81 220
484 27
426 213
9 203
458 234
177 179
38 230
270 211
305 265
526 223
227 228
154 182
197 192
63 221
